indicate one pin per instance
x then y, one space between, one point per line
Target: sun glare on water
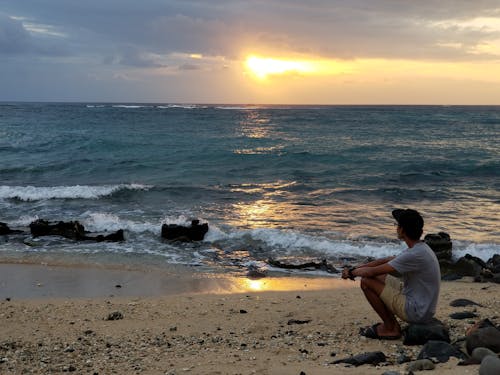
264 67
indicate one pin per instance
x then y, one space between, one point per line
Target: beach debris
420 365
297 321
419 334
371 358
463 315
462 302
174 232
116 315
440 350
4 229
292 265
72 230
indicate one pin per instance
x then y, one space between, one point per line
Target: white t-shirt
421 281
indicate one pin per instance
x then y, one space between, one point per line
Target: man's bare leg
372 288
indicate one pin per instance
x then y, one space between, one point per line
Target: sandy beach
186 324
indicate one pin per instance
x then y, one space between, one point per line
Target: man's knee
373 284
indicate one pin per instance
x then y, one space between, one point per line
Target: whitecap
36 193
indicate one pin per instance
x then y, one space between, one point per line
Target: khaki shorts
393 296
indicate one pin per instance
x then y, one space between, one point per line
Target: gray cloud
114 37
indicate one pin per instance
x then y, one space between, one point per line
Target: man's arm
377 262
372 271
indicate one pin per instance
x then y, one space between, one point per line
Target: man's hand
347 273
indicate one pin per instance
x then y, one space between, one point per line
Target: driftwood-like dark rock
462 302
72 230
4 229
463 315
372 358
322 265
195 232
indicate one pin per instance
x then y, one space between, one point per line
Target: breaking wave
35 193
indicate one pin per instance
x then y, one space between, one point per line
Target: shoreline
39 281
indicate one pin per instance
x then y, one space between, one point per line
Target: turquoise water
281 181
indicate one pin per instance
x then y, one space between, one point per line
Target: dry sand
229 328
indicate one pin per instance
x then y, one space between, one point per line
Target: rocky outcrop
174 232
441 244
4 229
72 230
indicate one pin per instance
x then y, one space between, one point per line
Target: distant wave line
35 193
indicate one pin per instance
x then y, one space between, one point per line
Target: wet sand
178 323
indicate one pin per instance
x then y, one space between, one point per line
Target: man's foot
375 332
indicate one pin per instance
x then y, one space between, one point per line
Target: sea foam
36 193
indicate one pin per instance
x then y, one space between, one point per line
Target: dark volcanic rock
440 350
372 358
419 334
72 230
488 337
493 263
195 232
4 229
463 315
462 302
490 365
467 265
116 315
440 243
322 265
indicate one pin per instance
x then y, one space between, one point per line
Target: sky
251 52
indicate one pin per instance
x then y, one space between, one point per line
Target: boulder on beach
419 334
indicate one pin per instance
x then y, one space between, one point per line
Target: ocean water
294 182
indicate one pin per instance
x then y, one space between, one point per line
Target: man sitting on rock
414 300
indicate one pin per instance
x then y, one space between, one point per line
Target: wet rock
419 334
463 315
72 230
488 337
462 302
321 265
372 358
493 264
4 229
420 365
116 315
174 232
440 350
490 365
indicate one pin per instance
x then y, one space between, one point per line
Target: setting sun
264 67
